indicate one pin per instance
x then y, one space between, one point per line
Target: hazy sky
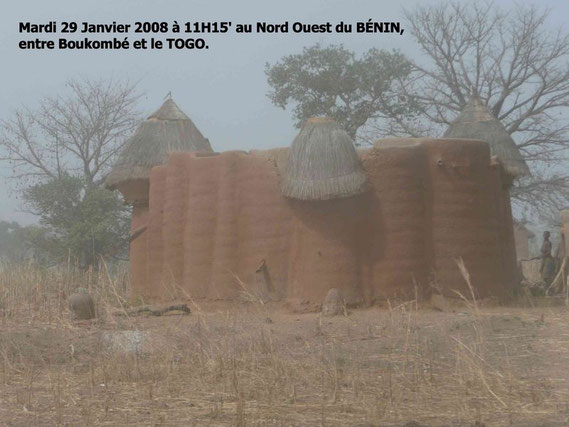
222 89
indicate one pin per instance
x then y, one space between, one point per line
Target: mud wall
218 227
465 217
213 221
398 246
138 243
153 287
326 250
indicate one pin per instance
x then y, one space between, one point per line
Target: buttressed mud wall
218 224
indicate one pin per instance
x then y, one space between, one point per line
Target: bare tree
59 154
516 63
78 133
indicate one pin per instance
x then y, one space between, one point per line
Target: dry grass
241 366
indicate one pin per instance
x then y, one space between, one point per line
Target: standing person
548 265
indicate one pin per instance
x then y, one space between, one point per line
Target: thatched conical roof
476 122
165 131
323 163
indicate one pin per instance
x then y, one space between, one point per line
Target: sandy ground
262 366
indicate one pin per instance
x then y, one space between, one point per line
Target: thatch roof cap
476 122
165 131
323 163
169 111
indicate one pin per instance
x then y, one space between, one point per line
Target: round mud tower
81 305
465 222
397 262
324 181
168 130
477 122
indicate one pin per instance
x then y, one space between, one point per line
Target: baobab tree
335 82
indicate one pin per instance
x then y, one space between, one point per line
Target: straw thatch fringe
165 131
476 122
325 189
323 164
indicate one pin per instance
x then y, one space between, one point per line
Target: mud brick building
389 221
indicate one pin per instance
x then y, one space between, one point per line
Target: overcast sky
222 89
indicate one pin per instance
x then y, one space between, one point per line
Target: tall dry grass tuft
40 293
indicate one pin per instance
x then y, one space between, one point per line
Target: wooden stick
559 274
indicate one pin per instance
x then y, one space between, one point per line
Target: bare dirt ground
258 365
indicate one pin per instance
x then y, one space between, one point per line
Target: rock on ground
82 305
333 304
440 303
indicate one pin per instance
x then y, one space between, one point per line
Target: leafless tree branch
79 132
